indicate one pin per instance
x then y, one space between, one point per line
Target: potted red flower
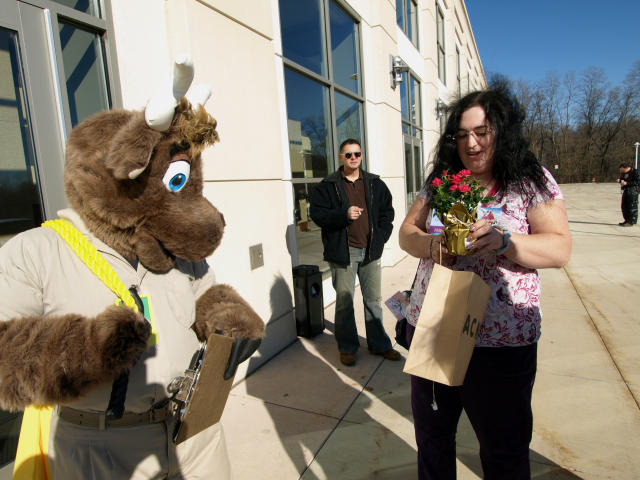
455 200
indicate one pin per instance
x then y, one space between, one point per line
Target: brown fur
54 360
221 308
139 217
58 359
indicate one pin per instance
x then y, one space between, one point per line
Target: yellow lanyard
92 259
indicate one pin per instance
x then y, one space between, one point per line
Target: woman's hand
485 237
414 238
547 245
438 251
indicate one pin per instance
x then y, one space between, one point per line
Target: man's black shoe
627 224
622 224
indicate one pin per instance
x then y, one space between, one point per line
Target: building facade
291 79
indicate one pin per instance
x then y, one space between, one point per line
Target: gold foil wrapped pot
457 222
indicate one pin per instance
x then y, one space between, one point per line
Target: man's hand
354 212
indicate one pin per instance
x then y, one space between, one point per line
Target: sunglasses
348 155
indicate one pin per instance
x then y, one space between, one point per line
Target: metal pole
637 144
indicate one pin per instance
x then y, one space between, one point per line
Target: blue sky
527 38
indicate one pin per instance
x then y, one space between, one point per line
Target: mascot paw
221 309
120 336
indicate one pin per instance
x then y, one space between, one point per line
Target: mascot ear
131 148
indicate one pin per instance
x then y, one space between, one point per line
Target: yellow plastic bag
32 461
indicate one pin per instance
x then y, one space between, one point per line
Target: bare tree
580 123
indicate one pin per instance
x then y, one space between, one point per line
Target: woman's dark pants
496 395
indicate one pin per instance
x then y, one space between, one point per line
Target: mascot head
135 178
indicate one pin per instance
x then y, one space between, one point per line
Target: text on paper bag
471 326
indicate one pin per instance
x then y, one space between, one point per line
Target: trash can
309 304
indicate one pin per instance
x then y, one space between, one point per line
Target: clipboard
205 404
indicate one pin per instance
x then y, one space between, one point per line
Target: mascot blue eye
177 182
176 176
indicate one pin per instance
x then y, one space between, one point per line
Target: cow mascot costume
72 330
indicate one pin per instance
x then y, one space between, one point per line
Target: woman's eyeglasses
480 134
348 155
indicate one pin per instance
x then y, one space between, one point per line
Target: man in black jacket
630 183
353 208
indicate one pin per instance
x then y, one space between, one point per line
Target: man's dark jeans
630 207
344 281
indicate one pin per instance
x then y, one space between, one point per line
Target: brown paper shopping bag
446 332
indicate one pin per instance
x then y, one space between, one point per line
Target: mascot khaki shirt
40 275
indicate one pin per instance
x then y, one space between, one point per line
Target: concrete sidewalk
304 415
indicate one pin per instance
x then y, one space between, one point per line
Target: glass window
416 117
410 98
412 19
413 168
324 106
408 167
458 74
303 33
440 41
84 72
308 239
407 18
19 190
344 45
310 144
417 167
400 13
348 117
404 97
86 6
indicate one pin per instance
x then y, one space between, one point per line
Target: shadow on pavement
467 453
332 419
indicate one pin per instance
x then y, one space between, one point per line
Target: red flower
453 187
464 173
456 179
436 182
464 188
444 173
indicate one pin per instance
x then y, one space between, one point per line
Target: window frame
415 135
36 24
413 36
333 88
331 84
99 25
440 45
458 72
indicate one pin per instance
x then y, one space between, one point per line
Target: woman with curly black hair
529 230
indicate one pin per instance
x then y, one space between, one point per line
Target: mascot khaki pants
137 453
